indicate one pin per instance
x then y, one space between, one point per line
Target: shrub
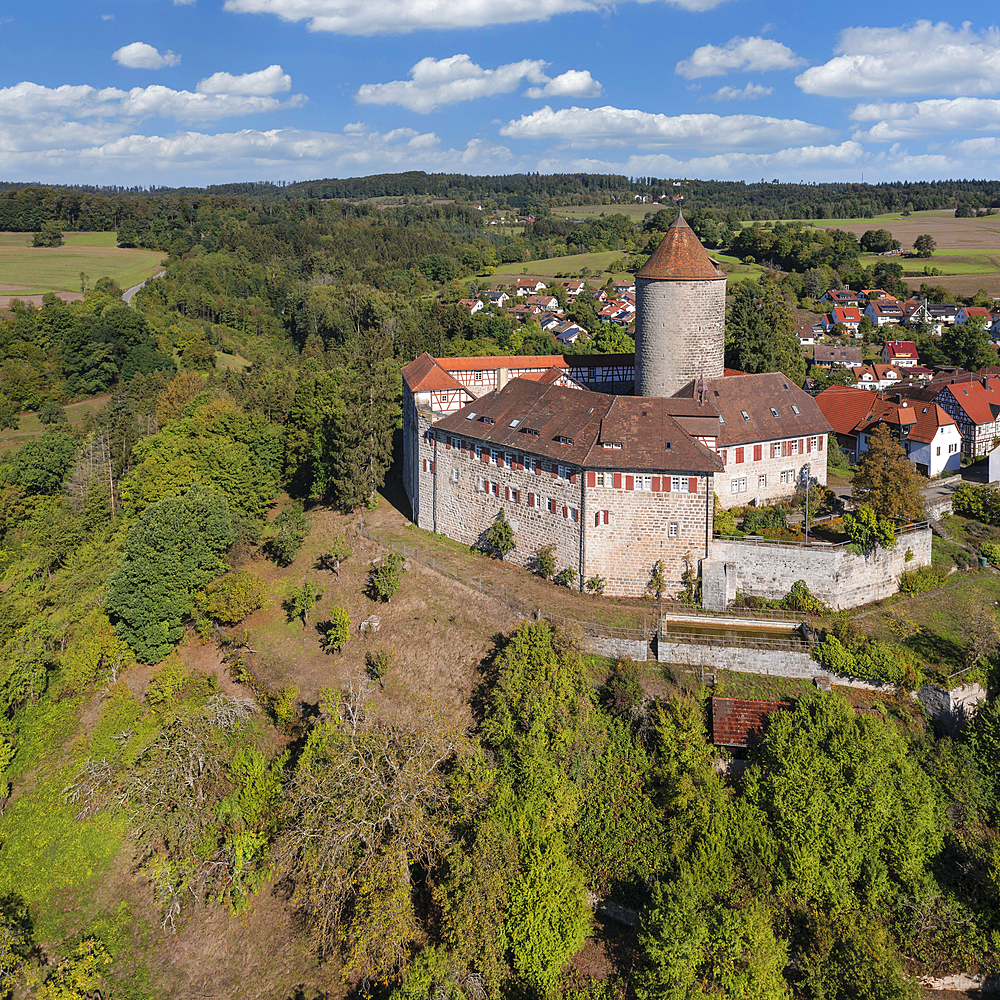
500 537
867 531
338 552
919 581
565 577
623 689
384 578
757 520
337 630
980 503
991 551
232 597
290 529
800 598
545 561
168 680
596 585
378 663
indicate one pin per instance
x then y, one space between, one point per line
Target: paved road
127 296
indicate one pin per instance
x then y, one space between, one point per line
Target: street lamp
805 474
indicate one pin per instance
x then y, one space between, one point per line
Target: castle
615 460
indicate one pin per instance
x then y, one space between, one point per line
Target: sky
197 92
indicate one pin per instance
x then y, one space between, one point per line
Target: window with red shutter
819 444
656 484
739 456
576 514
618 480
565 511
432 468
666 483
693 485
802 446
607 517
591 478
758 452
630 482
531 499
425 465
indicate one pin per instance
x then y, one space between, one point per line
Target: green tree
967 345
302 600
8 412
854 814
338 629
173 549
51 413
879 241
385 576
760 331
924 245
867 531
545 561
232 597
886 480
41 466
500 536
289 530
50 235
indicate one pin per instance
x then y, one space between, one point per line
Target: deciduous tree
886 480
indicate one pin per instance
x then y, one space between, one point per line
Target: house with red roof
528 286
544 301
965 313
846 316
901 353
929 435
473 305
885 312
840 297
574 287
975 404
876 378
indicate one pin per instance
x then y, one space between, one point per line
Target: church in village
615 460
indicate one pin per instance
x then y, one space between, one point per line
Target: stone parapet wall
836 576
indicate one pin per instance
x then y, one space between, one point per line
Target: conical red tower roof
680 257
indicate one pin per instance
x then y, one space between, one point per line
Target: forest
255 385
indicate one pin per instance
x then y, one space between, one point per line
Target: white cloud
276 154
394 17
920 119
31 100
748 93
753 54
139 55
107 17
434 82
263 83
183 3
923 59
615 126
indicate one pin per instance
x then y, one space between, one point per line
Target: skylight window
746 416
514 422
667 446
470 416
774 412
795 409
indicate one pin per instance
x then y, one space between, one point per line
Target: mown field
29 426
596 263
28 269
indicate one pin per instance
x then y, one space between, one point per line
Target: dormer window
563 439
612 444
530 430
488 420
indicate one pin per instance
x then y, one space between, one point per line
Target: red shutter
819 444
693 485
552 505
666 483
656 484
572 477
500 460
486 485
432 468
725 452
739 456
607 516
630 482
802 446
809 445
425 465
784 449
576 514
618 480
447 443
591 478
486 456
531 499
506 493
565 511
757 452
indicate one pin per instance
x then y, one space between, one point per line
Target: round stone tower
680 308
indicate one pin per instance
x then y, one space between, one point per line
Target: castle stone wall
679 333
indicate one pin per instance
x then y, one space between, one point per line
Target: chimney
503 375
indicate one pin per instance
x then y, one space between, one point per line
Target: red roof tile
845 407
425 373
680 257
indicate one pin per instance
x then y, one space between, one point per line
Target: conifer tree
760 331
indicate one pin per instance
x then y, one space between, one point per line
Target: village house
528 286
975 405
840 297
901 353
930 436
498 298
848 317
966 313
885 312
873 294
574 287
837 356
547 302
473 305
876 378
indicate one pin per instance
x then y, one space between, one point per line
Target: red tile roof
981 403
845 407
680 257
929 419
425 373
736 720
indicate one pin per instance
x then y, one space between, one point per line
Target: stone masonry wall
771 468
463 495
680 334
837 577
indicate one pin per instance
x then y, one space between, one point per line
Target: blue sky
171 92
